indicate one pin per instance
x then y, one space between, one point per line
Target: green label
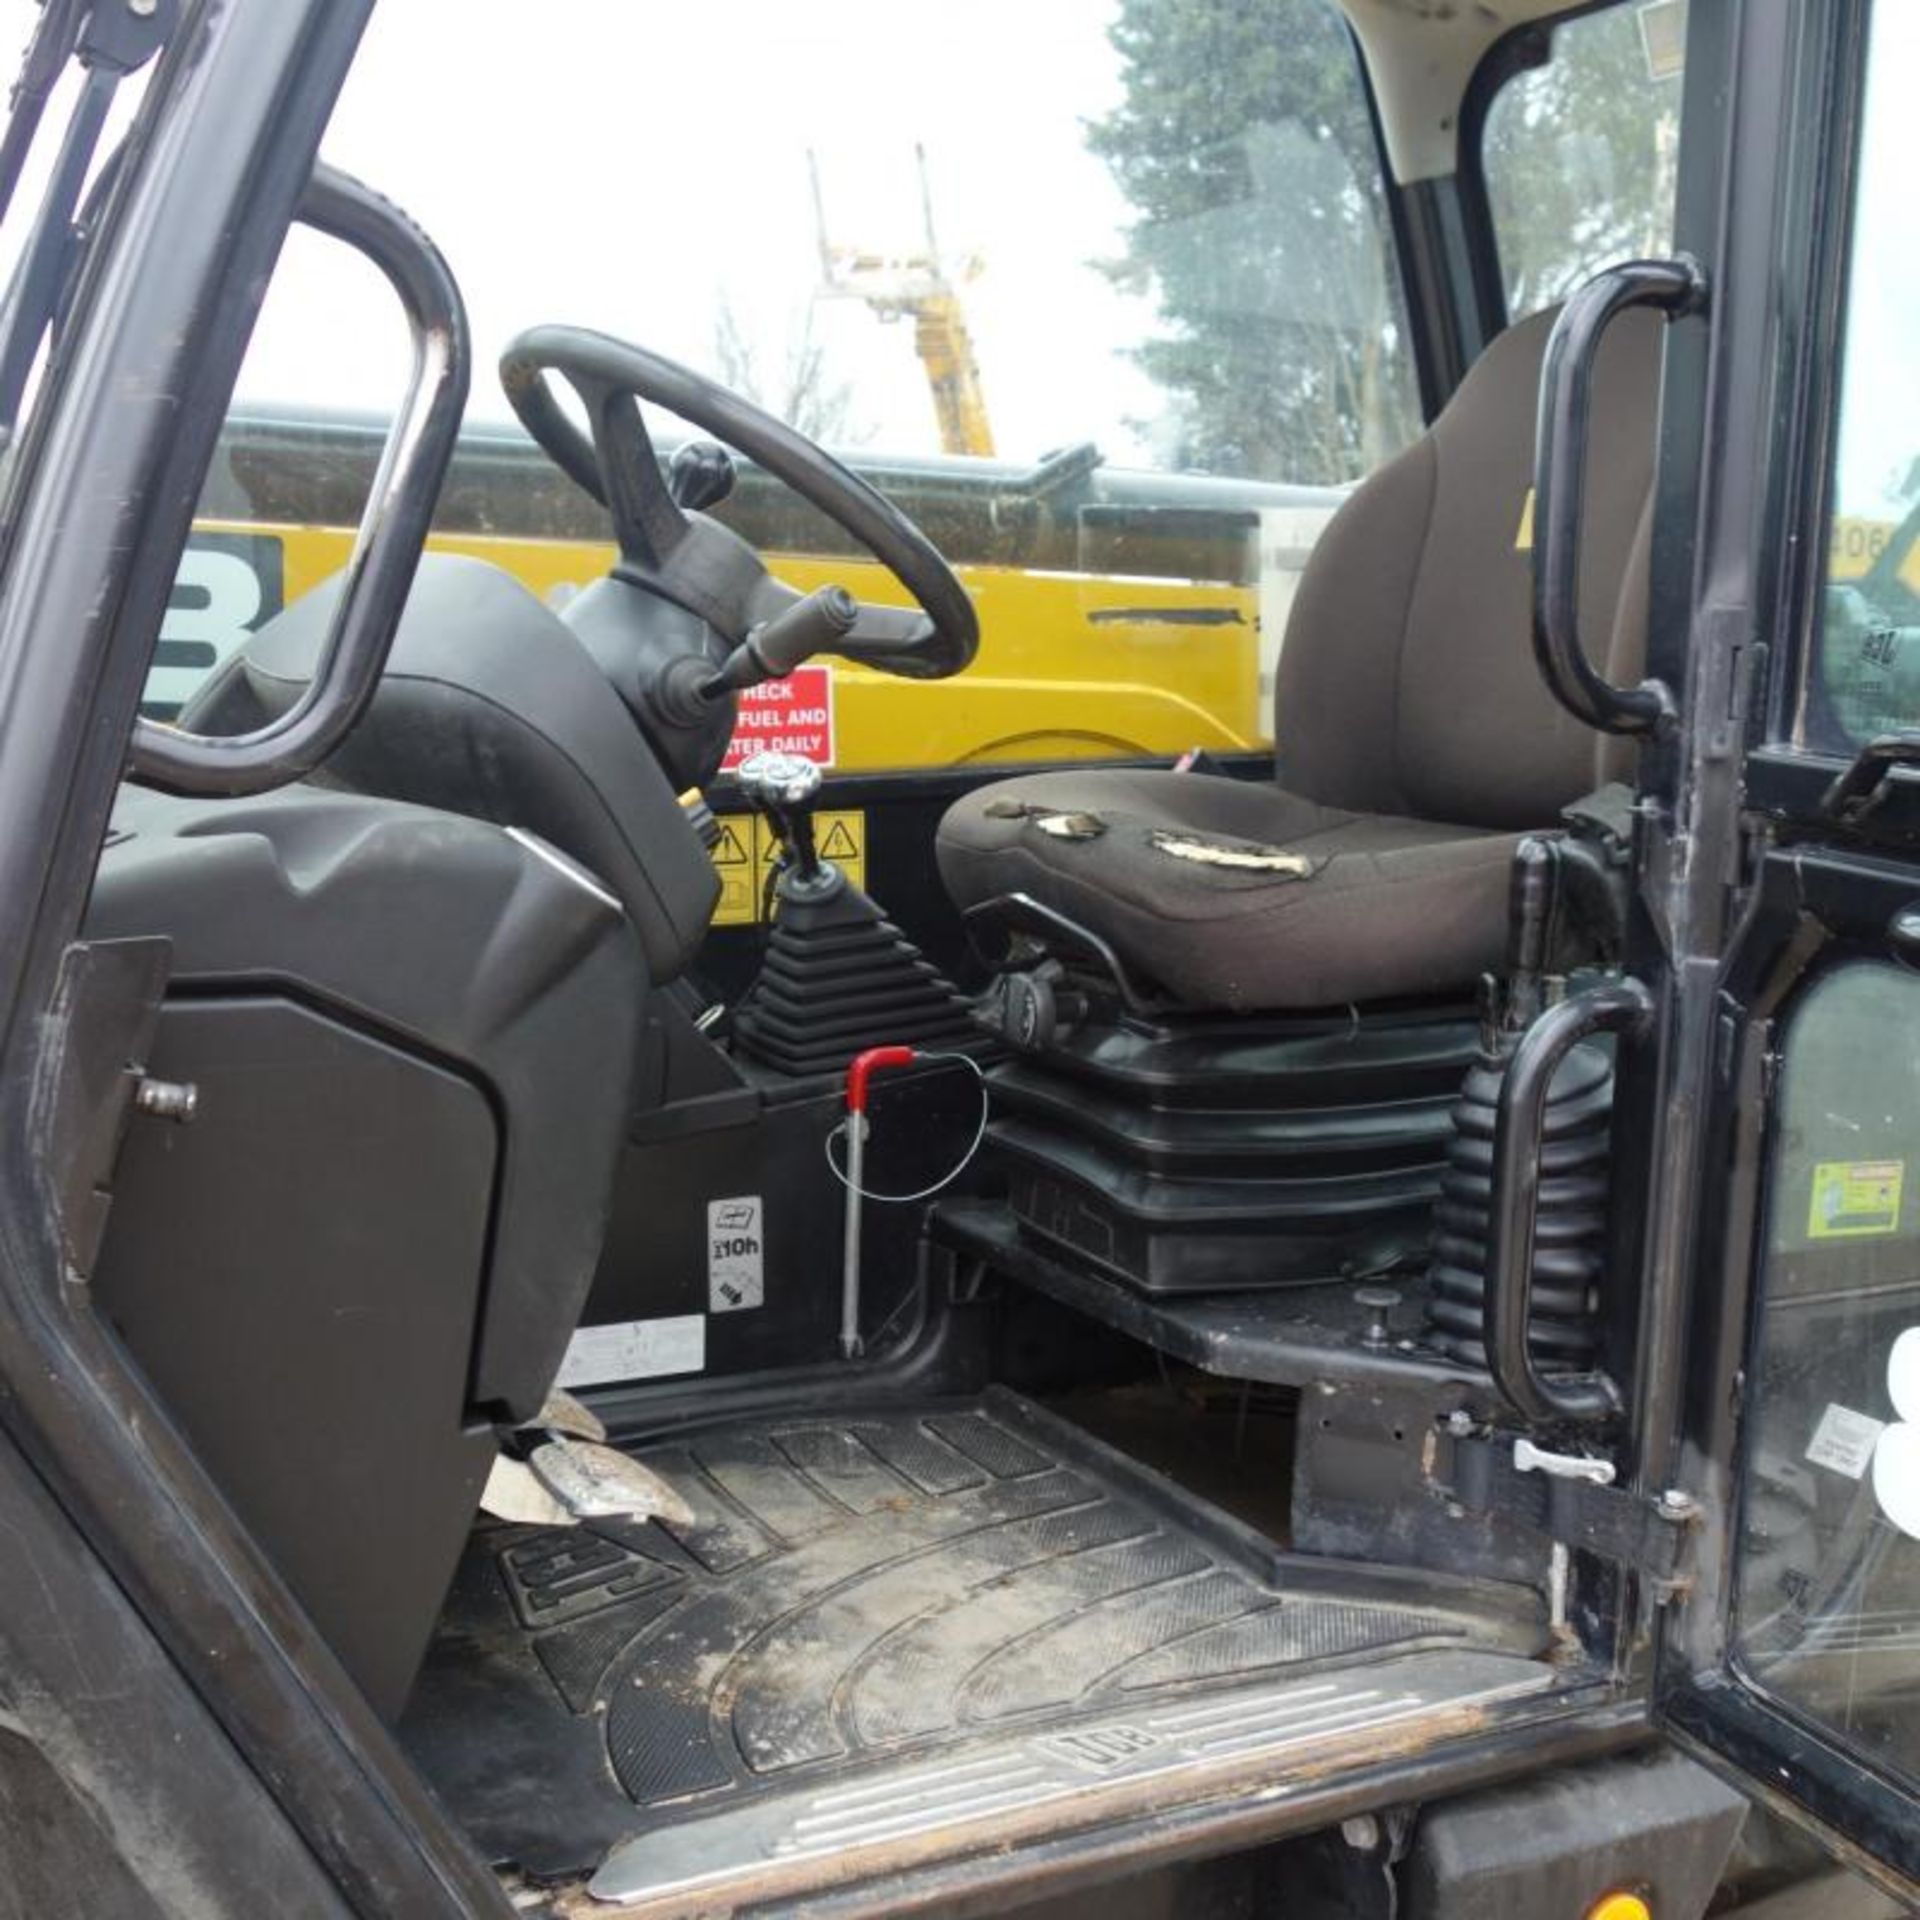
1853 1198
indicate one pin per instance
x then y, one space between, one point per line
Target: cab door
1792 1656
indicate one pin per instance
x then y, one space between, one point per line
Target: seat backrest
1407 683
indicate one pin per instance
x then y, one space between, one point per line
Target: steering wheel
685 557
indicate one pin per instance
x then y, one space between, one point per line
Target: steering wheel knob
783 780
700 475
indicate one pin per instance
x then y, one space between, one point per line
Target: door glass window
1828 1610
1865 676
1100 291
1579 153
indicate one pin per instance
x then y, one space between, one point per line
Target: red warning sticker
794 715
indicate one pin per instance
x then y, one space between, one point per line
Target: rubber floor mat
858 1587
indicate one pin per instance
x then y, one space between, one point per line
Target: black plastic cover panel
491 706
443 937
299 1273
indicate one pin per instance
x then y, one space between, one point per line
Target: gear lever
837 977
785 788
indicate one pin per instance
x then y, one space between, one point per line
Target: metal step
1011 1787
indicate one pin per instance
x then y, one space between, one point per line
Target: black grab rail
393 528
1621 1006
1674 287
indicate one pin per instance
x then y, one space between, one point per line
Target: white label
1844 1440
635 1350
1896 1456
734 1254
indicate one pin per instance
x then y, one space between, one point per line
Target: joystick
838 977
786 788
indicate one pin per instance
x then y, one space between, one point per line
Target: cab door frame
1725 913
141 1558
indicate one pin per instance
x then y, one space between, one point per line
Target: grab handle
1674 287
393 529
1620 1006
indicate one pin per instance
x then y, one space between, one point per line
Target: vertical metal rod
850 1272
1559 1570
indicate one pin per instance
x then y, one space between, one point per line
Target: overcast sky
633 166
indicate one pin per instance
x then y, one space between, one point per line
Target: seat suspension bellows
1570 1230
1570 1218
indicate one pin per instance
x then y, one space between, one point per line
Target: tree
802 391
1579 156
1243 141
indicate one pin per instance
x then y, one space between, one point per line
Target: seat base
1201 1153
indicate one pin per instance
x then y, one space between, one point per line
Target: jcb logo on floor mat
1101 1747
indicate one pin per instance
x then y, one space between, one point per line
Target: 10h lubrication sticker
736 1254
1855 1198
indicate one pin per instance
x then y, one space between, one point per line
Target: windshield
1118 229
1102 293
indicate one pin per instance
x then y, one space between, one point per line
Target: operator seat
1415 741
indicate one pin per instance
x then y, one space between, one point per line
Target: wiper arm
55 35
110 40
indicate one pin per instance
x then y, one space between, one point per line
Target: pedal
563 1414
512 1493
593 1482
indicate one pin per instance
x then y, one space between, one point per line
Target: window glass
1866 661
276 515
1828 1615
1100 291
1579 153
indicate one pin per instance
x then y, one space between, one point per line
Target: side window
1253 237
1865 676
1579 152
1829 1568
291 472
1100 291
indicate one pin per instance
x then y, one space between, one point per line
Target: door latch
1527 1458
1571 1498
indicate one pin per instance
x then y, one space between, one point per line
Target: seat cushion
1373 908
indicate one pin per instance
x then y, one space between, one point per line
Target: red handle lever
864 1066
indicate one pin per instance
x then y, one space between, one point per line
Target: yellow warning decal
1523 540
1855 1198
745 852
739 877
